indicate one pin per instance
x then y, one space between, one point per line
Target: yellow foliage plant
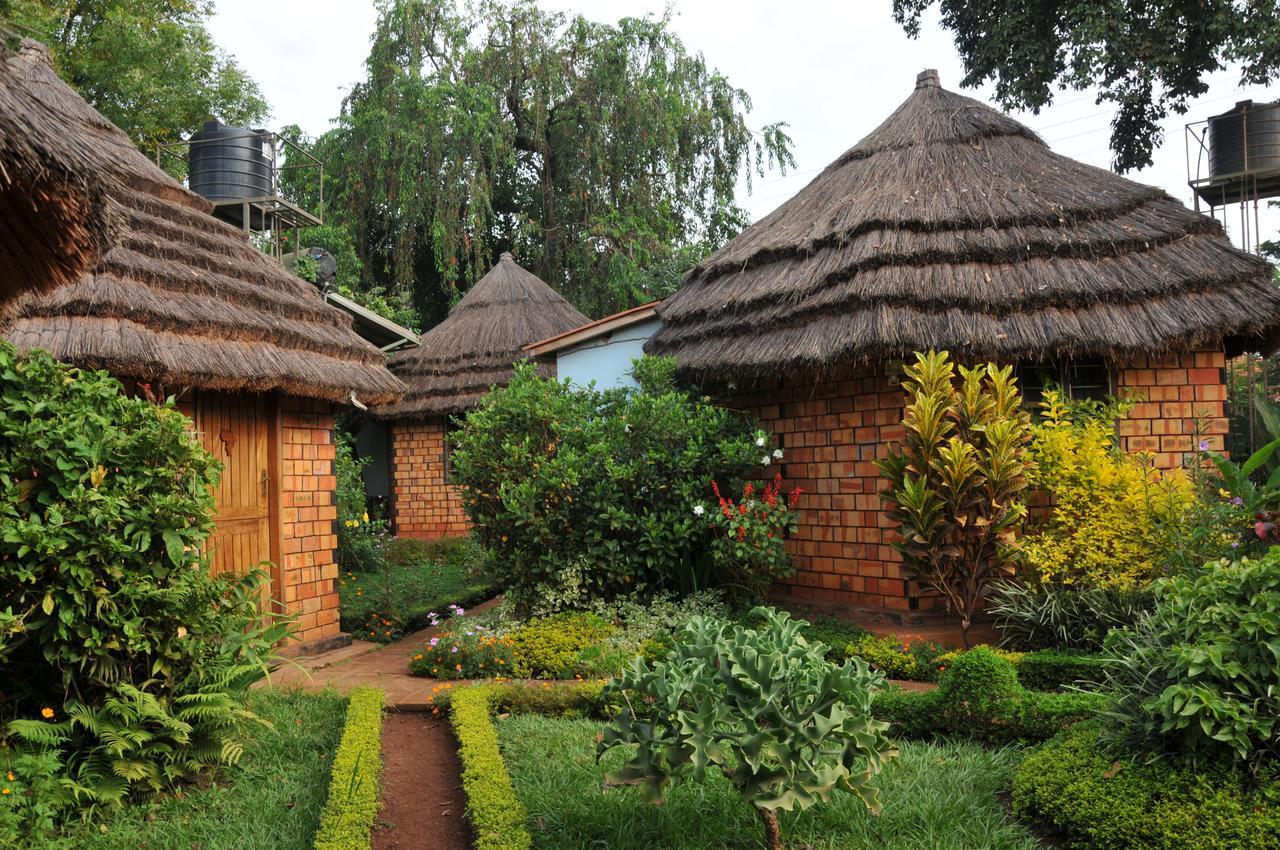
1110 513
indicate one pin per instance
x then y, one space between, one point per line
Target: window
1087 378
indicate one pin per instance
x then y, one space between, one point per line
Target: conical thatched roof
476 346
953 226
184 299
55 222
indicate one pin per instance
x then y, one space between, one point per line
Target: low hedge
497 815
552 699
352 805
1055 669
980 697
1093 799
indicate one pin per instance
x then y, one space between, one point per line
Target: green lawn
271 799
936 796
419 577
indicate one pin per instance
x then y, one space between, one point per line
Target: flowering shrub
749 538
119 651
470 652
1113 515
898 659
581 494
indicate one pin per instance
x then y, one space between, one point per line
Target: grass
272 798
940 796
418 577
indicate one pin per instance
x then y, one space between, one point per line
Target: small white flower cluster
699 510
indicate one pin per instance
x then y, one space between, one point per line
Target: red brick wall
1176 391
309 570
423 504
831 434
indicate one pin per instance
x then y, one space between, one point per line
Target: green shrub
362 539
979 697
548 647
352 806
118 651
915 661
1054 669
1096 799
955 484
1200 675
1053 616
497 815
748 540
581 494
761 706
33 797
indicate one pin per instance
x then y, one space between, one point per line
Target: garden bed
937 795
272 798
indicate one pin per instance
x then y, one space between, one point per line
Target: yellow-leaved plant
1111 513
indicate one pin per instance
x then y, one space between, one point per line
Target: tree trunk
772 833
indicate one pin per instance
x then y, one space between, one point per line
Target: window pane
1088 379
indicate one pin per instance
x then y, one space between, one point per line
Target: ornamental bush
1112 516
1091 797
1199 677
119 652
955 484
748 541
1034 616
580 494
763 707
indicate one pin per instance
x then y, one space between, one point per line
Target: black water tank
228 163
1244 142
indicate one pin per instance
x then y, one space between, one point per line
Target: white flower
699 510
759 441
626 429
777 454
766 460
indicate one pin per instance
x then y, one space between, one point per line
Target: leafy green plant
1095 797
748 545
763 707
1033 616
580 494
33 797
362 540
549 647
465 652
898 660
118 648
1199 676
497 815
955 483
349 813
1056 669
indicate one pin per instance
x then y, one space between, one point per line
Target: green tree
604 156
1148 57
150 66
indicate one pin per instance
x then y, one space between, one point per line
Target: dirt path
422 801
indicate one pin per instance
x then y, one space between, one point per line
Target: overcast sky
832 70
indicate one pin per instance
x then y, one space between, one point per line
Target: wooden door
238 429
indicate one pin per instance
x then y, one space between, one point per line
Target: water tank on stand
227 163
1243 154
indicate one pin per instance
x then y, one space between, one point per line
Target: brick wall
308 568
1176 392
831 434
423 504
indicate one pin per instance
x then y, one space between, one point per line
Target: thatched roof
55 222
953 226
476 346
183 299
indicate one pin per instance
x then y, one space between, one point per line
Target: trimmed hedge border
497 815
347 820
1056 669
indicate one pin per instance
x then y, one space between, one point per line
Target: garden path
366 664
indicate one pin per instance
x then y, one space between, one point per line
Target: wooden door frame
275 480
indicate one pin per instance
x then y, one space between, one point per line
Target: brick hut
952 226
457 362
184 305
55 222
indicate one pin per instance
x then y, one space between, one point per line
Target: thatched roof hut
476 346
183 299
55 220
954 226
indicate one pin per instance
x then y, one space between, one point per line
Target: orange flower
11 776
46 713
5 791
